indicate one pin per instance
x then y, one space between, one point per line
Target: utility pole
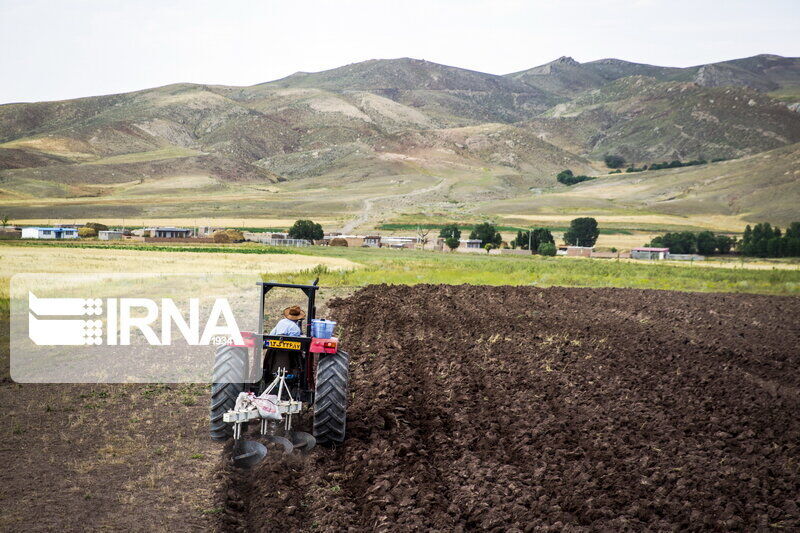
530 233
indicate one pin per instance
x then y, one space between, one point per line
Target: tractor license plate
285 345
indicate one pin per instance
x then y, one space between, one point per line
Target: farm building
469 245
373 241
109 235
399 242
49 233
649 253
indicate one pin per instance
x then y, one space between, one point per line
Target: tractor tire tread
230 365
330 402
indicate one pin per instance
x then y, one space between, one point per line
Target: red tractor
303 372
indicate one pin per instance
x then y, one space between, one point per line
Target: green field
416 266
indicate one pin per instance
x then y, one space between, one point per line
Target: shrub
614 161
568 178
338 241
86 232
221 236
452 243
547 248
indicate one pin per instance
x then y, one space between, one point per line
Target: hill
567 78
759 187
405 124
646 120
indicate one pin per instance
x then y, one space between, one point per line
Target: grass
56 258
352 267
192 248
414 267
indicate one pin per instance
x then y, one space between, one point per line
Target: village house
49 233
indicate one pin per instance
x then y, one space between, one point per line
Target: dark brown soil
550 409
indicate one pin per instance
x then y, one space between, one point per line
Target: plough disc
248 453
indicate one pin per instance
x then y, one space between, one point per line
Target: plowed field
522 409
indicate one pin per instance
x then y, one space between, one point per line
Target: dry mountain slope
566 77
646 120
452 96
395 121
759 187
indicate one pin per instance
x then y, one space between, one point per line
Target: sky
60 49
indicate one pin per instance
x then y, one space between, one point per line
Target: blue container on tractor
322 329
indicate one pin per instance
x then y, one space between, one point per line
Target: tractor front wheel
230 365
330 398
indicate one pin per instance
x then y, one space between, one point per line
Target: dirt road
397 200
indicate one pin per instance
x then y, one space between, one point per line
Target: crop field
524 408
578 377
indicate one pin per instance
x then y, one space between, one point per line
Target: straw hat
294 313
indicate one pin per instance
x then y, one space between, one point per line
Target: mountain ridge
384 119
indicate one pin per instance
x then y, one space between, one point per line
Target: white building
109 235
49 233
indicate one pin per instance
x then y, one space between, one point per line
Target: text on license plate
286 345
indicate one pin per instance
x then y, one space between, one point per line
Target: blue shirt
287 327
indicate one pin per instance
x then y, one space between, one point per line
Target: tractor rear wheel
230 365
330 399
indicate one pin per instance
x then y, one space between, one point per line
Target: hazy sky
57 49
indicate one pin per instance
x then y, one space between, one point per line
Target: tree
422 236
614 161
5 221
725 244
706 243
568 178
582 232
684 242
87 232
487 233
547 248
450 231
452 243
534 238
489 247
307 230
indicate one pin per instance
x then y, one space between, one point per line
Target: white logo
121 317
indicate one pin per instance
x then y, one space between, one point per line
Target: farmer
289 325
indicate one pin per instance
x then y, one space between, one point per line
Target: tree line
763 240
568 178
687 242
